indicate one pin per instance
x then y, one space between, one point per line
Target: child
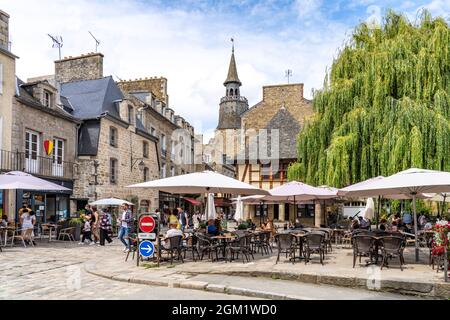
86 232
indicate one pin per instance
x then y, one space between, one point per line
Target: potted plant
77 223
243 226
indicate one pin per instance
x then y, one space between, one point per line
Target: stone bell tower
232 105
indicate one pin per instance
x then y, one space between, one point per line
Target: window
172 150
146 174
130 115
163 144
172 171
113 136
47 98
163 170
113 171
145 149
153 131
1 78
31 145
58 157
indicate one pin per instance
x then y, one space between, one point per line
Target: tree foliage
384 107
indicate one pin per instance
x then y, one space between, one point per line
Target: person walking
27 222
125 221
94 225
183 218
86 232
105 228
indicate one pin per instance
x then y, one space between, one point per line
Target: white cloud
307 8
191 49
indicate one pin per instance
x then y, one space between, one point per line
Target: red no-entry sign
147 224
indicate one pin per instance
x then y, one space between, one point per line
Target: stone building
38 136
176 135
260 142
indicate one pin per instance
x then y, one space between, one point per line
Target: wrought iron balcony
36 165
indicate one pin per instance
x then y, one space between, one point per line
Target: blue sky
188 42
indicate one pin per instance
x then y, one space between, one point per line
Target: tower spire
232 76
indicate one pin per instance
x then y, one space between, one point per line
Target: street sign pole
158 240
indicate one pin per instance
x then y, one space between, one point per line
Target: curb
200 285
422 289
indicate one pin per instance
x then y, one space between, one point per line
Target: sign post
145 232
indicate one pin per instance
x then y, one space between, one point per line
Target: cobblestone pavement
57 271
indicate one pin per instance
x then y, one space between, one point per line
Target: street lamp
141 164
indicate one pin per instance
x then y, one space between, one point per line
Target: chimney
4 31
84 67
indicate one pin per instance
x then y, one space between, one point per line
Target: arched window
236 92
231 92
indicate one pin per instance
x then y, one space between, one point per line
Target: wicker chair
192 245
238 247
363 245
392 246
285 244
206 246
315 243
175 248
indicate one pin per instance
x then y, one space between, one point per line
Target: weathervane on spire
232 45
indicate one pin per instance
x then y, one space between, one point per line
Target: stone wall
84 67
155 85
47 125
274 97
4 30
129 146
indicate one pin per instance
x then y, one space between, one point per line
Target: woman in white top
27 221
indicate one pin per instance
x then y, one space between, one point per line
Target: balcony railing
36 165
234 98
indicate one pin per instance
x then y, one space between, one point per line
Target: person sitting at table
355 224
4 222
172 232
212 228
428 226
270 227
383 225
394 226
297 224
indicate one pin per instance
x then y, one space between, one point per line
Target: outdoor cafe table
299 236
224 241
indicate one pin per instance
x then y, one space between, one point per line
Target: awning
222 202
193 201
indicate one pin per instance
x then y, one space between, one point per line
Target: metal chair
191 245
206 245
22 235
239 247
285 244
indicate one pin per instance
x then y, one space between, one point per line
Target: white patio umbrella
239 214
210 210
410 182
369 210
110 202
26 181
201 182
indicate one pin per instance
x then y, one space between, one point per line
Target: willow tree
384 107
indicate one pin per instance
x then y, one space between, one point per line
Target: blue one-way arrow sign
146 249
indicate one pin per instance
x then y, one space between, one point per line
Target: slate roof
92 98
232 72
24 96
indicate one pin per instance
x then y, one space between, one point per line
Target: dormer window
47 98
130 115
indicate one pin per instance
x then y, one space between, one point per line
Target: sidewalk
416 279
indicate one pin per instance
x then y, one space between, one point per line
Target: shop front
49 206
168 201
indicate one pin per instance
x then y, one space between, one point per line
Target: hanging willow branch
385 105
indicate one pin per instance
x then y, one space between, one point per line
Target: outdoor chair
314 243
191 245
327 239
206 245
262 243
18 235
346 239
285 244
47 230
67 232
363 245
392 246
133 246
175 248
238 247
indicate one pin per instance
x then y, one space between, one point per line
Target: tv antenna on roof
57 43
288 74
97 42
